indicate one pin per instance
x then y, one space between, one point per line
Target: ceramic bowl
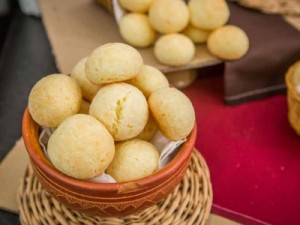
105 199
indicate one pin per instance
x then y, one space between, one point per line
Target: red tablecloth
252 153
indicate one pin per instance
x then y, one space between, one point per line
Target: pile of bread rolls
106 113
174 27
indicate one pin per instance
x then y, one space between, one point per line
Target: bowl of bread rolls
112 137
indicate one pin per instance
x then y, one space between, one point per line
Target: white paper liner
119 12
167 149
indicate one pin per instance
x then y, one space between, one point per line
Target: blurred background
7 9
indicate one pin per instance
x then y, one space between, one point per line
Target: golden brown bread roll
168 16
182 79
197 35
228 42
173 112
88 89
149 130
54 98
174 49
113 62
140 6
122 108
136 30
208 14
134 159
81 147
149 80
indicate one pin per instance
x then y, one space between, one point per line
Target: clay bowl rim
37 159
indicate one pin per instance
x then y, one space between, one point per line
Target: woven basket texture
293 99
190 203
283 7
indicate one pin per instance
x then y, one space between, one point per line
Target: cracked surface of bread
88 89
173 112
122 108
113 62
149 80
54 98
134 159
169 16
208 14
81 147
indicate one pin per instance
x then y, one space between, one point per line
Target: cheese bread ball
228 42
54 98
174 49
149 130
169 16
134 159
198 36
208 14
122 108
113 62
173 112
81 147
149 80
135 29
182 79
139 6
88 89
84 107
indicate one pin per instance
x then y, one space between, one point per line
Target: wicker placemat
283 7
189 203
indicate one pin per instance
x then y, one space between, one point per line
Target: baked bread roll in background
228 42
182 79
208 14
197 35
169 16
139 6
174 49
136 30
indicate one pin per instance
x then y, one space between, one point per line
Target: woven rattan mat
189 203
284 7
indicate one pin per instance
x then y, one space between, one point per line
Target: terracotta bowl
117 199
